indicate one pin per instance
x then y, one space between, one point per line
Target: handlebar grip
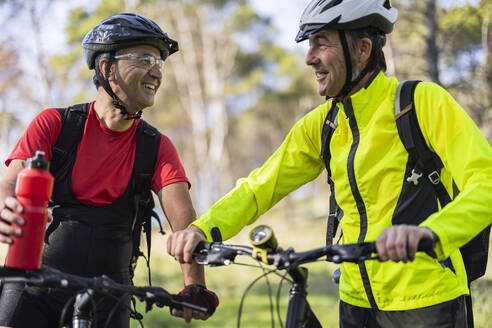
201 246
426 245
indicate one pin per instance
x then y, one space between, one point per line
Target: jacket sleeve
467 155
296 162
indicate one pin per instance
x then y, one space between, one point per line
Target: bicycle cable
269 287
279 288
246 292
65 309
115 308
134 314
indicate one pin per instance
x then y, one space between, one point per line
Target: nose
156 72
311 58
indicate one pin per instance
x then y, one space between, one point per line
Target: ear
365 48
103 63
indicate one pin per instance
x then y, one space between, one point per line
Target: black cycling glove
201 296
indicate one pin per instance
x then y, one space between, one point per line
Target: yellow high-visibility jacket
368 169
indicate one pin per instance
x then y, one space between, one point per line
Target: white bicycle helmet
346 15
342 15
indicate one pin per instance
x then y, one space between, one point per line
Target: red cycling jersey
104 160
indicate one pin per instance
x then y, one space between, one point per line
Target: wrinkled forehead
329 35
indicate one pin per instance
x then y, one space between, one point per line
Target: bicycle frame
82 312
299 313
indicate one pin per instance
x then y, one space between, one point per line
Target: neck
361 83
109 115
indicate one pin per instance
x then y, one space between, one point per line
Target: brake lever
177 303
216 256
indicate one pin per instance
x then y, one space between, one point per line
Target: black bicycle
265 249
83 300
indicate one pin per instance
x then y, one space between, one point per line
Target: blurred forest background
229 97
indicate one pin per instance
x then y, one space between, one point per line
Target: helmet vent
331 4
387 4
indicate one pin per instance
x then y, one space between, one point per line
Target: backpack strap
73 124
428 164
146 152
72 130
329 127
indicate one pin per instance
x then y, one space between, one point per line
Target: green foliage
287 94
461 27
244 17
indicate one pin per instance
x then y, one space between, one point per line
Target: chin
324 93
145 104
327 93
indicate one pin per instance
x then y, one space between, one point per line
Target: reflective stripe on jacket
368 168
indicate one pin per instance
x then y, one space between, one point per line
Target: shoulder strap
146 152
329 127
73 123
427 162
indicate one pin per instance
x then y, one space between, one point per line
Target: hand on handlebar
198 295
399 242
181 244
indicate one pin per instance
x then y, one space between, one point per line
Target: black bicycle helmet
344 15
119 32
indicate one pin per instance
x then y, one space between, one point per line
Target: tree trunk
487 73
432 51
44 76
201 68
390 61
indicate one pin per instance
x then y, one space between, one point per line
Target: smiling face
325 55
133 82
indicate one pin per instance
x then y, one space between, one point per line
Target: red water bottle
33 190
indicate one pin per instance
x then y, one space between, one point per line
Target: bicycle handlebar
216 254
49 277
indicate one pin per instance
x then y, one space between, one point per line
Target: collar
369 99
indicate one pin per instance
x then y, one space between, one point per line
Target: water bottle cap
38 161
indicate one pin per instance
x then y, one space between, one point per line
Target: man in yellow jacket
368 169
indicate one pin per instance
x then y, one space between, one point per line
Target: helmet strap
349 83
348 64
104 82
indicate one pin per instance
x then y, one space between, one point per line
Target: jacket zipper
349 111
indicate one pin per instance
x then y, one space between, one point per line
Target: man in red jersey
94 193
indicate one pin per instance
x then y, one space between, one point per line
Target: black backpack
146 152
475 252
428 165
